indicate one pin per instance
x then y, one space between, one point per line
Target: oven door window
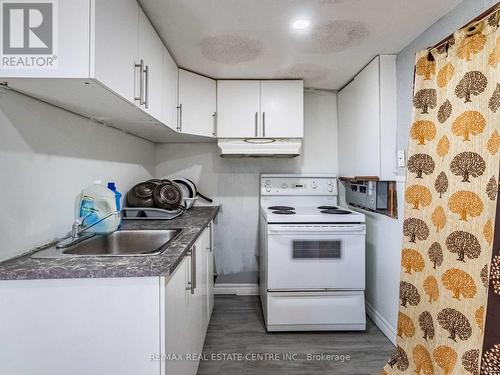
320 249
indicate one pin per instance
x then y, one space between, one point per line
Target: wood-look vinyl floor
237 327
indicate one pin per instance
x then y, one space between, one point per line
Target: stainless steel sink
139 242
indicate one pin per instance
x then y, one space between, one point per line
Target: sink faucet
77 229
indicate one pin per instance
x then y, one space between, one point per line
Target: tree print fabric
449 296
490 362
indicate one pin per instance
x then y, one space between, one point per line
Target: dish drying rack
153 213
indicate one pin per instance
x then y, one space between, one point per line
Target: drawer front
308 261
339 308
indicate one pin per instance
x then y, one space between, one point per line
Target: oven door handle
337 229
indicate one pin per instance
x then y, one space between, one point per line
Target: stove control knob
268 188
268 182
313 185
330 189
329 182
284 186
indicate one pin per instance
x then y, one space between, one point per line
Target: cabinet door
194 314
203 277
388 117
48 326
210 271
197 104
151 51
177 324
238 109
116 46
359 124
169 86
282 107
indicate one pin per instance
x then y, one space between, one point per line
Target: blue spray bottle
118 195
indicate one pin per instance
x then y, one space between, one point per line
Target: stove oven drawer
344 310
312 261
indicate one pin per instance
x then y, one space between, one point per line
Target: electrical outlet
401 158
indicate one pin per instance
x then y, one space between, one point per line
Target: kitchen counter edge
193 222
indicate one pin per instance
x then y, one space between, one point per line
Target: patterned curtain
451 193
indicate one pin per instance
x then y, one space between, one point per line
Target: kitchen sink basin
139 242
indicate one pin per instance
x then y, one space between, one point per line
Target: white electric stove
312 256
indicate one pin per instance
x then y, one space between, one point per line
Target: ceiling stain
329 2
332 2
333 37
308 72
230 49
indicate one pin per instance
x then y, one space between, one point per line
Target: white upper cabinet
116 54
260 109
151 54
238 109
367 121
115 69
169 85
197 104
110 65
282 109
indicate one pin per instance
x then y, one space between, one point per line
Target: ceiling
254 38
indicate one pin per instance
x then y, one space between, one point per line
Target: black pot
167 195
141 195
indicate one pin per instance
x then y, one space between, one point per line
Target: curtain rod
479 18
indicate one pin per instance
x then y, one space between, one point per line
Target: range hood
259 147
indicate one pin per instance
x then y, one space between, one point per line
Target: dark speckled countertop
192 223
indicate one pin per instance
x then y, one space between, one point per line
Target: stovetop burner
284 212
281 208
328 208
336 212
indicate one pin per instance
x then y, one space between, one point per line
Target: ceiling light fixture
301 24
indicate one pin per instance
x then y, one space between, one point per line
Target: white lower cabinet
80 326
101 326
178 318
210 271
187 298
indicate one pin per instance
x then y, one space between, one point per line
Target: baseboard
238 289
381 323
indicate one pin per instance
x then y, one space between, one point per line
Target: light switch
401 158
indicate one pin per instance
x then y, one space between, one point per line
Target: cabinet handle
139 66
256 123
191 285
263 124
179 121
215 124
211 229
146 88
193 270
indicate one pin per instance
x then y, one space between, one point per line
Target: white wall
47 156
234 183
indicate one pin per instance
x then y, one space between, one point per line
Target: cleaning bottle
118 195
97 202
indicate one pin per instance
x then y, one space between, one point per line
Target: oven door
316 257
